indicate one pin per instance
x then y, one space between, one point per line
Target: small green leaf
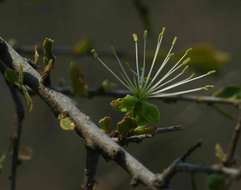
82 46
216 182
146 113
126 125
220 153
107 85
105 124
27 98
142 130
12 42
47 50
20 74
204 58
231 92
36 56
66 123
126 104
11 76
25 153
78 83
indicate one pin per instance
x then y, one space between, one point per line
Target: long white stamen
144 58
189 79
112 72
181 59
135 38
168 56
182 92
144 84
123 69
155 55
172 70
172 79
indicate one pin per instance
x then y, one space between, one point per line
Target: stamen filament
155 55
182 92
135 38
125 76
112 72
189 79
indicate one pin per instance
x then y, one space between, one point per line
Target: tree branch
234 141
95 92
97 140
92 158
92 135
140 138
17 133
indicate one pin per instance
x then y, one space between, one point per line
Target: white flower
145 83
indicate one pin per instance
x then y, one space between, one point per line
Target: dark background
58 156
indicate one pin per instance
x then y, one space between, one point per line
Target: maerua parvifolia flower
152 80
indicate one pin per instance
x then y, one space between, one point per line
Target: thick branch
92 135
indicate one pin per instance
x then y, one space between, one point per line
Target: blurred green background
58 157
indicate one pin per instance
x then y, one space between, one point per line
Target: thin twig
16 136
140 138
95 92
67 51
92 158
170 171
215 169
234 141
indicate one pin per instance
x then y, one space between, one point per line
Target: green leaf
78 83
20 74
220 153
205 58
107 85
231 92
25 153
65 122
216 182
105 124
36 56
11 76
126 125
2 160
146 113
126 104
82 46
142 130
47 50
27 98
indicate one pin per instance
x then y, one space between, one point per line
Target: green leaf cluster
17 79
138 116
143 112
